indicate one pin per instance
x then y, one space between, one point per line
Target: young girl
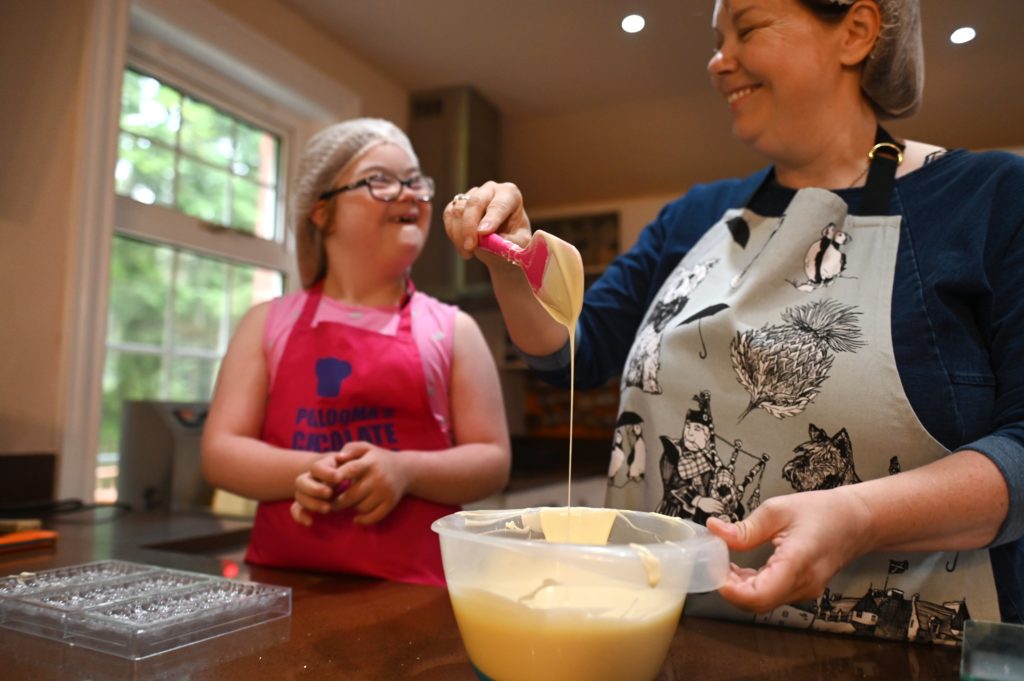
358 410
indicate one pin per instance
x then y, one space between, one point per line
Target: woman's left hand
814 534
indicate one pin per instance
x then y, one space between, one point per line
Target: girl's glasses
386 187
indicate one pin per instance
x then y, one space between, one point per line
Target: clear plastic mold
31 582
132 610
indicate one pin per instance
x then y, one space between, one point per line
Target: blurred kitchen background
148 146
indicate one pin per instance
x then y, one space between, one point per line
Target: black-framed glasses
385 187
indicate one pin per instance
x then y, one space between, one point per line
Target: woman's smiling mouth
738 94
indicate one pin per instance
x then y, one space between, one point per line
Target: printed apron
764 366
338 384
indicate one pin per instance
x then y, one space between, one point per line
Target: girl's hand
374 481
362 476
814 533
316 488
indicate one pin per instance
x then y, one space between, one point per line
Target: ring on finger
460 197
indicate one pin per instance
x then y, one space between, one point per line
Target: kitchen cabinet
455 132
546 410
540 473
595 236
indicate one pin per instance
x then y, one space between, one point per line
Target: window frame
164 225
187 43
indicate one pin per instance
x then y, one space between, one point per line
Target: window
191 50
179 152
198 241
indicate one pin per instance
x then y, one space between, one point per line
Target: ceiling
591 113
544 57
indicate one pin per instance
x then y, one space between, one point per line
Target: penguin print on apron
764 366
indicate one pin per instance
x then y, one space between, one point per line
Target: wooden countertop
360 629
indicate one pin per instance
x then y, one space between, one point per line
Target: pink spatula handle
531 259
503 247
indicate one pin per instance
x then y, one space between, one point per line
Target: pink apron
338 384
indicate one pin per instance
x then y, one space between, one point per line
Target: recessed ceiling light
634 23
962 35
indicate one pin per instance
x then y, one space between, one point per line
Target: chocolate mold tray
133 610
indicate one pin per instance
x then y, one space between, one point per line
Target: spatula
531 259
553 268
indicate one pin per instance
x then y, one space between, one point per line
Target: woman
358 410
860 303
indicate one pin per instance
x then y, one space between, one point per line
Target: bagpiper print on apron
764 366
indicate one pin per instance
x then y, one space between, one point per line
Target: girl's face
778 68
391 234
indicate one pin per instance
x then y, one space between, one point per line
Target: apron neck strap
883 160
312 302
410 288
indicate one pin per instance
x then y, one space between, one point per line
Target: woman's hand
956 503
492 207
497 208
814 534
361 476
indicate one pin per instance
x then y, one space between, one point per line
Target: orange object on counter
27 539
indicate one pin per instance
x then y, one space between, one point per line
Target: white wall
41 86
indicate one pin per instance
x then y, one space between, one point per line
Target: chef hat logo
330 372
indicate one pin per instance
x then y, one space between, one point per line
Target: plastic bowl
531 609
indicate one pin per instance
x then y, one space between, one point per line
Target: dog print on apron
764 366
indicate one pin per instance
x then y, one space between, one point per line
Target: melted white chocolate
543 630
652 566
561 290
561 294
588 526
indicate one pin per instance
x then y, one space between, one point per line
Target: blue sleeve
1005 271
1005 449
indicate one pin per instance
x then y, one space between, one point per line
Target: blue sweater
957 309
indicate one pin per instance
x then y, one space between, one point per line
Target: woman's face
389 233
777 66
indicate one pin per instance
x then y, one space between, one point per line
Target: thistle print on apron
764 366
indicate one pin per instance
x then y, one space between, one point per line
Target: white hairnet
893 77
327 153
